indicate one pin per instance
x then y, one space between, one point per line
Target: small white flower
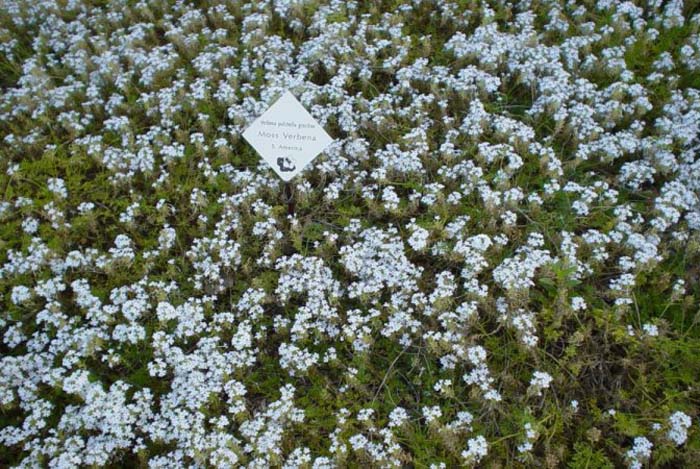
477 449
30 225
86 207
431 414
540 381
650 330
20 294
397 417
639 453
578 303
12 169
58 187
680 422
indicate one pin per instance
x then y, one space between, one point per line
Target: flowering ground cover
496 263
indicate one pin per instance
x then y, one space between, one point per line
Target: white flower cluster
539 382
296 360
639 453
477 449
517 273
480 374
379 261
680 422
530 437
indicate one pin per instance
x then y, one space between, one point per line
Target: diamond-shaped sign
287 136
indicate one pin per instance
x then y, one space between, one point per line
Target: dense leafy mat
496 263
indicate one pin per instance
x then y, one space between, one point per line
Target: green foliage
586 457
589 353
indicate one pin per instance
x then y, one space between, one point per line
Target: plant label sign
287 136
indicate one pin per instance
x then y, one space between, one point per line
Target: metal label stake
288 198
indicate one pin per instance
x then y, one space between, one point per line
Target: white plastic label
287 136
